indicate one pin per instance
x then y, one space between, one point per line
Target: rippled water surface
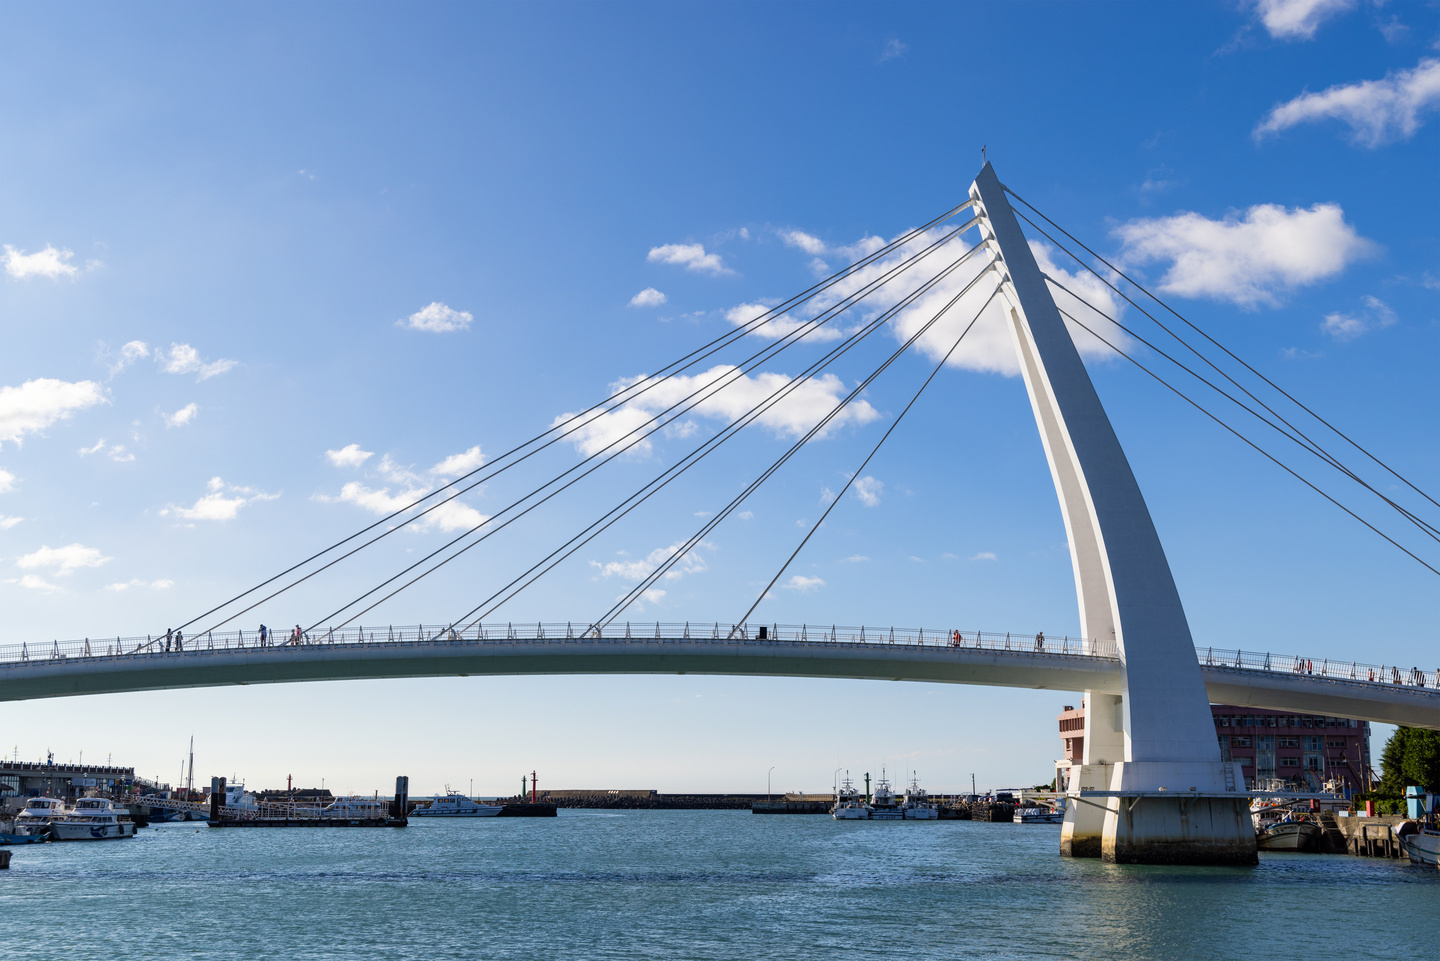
691 885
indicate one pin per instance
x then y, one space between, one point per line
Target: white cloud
34 583
690 256
449 515
215 505
376 501
781 326
160 585
984 556
1375 315
50 262
1245 259
7 481
807 242
746 515
116 452
184 359
63 560
8 522
804 407
437 318
396 474
130 352
182 416
1377 111
893 48
349 456
854 559
36 404
804 584
458 464
649 297
636 571
1298 19
868 490
453 515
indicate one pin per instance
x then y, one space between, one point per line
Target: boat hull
850 814
81 831
922 814
486 811
1301 836
1422 848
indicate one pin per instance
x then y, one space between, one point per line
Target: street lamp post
767 782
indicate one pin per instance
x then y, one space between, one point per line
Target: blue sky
237 238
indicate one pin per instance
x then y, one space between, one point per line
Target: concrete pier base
1084 827
1189 820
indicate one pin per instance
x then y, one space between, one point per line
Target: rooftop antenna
982 155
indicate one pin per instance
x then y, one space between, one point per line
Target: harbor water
688 885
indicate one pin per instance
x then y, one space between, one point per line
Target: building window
1312 742
1224 721
1239 742
1334 743
1289 762
1289 742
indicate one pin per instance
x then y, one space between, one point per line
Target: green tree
1411 756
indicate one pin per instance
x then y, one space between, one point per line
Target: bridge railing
159 646
1325 668
151 645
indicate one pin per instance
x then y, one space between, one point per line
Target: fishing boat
93 819
1037 814
1422 846
849 804
33 823
885 806
917 805
1289 835
454 805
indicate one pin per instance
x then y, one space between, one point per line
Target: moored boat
1038 814
33 822
885 806
453 805
1422 846
93 819
849 805
1289 836
917 805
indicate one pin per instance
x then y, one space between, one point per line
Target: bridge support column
1143 827
1084 829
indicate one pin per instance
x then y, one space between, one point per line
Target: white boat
38 815
1423 846
454 805
1037 815
93 819
849 805
917 805
884 806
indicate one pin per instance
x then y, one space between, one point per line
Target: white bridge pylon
1157 735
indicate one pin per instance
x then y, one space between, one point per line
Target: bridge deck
1285 683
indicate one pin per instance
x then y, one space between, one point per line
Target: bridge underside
68 677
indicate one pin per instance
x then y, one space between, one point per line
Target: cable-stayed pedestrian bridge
1148 728
1284 682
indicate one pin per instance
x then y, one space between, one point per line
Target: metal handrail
1010 642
